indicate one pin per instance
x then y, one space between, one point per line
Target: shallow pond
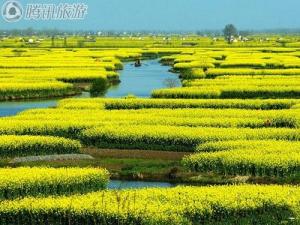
118 184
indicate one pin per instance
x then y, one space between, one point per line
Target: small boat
138 63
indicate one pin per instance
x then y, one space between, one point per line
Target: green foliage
229 32
99 86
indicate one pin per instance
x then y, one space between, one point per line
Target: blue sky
174 15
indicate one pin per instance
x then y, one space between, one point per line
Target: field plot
23 181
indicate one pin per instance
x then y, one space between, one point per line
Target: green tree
80 43
99 87
53 41
65 42
229 31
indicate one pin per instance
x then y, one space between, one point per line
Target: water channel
138 81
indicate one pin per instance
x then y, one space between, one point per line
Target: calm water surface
139 81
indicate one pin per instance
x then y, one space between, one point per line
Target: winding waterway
138 81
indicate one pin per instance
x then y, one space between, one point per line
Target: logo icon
12 11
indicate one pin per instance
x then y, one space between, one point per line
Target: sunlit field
231 126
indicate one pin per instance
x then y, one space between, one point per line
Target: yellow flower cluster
42 181
179 206
12 146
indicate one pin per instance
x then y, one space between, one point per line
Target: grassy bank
142 165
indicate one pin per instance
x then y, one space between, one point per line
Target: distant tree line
50 32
